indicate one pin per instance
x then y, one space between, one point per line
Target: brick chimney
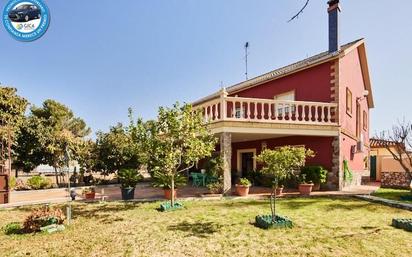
334 10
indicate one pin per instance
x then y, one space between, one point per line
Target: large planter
89 196
266 222
168 193
242 190
127 193
279 190
305 189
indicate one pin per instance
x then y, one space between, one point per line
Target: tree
398 142
175 142
281 163
116 150
12 110
63 130
30 145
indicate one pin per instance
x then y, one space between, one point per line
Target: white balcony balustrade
266 110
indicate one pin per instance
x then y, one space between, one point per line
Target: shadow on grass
350 206
241 203
197 229
297 202
106 214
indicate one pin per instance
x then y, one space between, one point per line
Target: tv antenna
246 55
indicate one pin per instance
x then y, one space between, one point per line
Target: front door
247 163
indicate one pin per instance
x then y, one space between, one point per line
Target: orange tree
174 142
281 163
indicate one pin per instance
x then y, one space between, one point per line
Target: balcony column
223 107
226 154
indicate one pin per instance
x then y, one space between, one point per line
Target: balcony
259 110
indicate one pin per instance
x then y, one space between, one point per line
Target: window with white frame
285 108
239 112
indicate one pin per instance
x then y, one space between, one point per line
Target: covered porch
239 146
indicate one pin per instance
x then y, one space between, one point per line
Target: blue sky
101 56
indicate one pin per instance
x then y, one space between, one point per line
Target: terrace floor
144 191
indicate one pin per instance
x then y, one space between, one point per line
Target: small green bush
38 182
214 166
129 177
215 187
13 228
12 182
244 182
316 174
255 177
164 181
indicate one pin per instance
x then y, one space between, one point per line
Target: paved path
388 202
144 192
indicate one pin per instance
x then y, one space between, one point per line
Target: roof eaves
286 70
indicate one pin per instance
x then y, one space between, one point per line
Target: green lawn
392 194
324 227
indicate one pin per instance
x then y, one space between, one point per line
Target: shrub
129 177
88 180
42 217
215 187
38 182
244 182
12 183
255 177
214 166
12 228
164 181
316 174
88 190
20 185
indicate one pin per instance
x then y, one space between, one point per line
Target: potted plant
316 174
216 188
242 189
128 180
164 181
305 186
89 193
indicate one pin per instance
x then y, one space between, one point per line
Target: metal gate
373 168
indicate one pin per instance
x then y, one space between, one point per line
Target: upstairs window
239 112
348 101
285 108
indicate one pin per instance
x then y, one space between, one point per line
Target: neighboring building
385 168
321 102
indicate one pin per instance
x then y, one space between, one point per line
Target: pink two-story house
321 102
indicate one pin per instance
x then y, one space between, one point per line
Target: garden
322 227
177 149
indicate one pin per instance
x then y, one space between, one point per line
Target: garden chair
197 179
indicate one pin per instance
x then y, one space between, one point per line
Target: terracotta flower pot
305 189
279 190
242 190
168 193
90 196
